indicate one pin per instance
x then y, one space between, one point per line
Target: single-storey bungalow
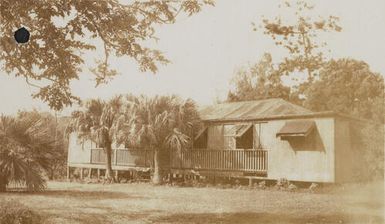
290 141
269 139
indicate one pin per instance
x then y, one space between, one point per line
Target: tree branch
31 84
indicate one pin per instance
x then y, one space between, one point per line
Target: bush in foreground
12 212
25 151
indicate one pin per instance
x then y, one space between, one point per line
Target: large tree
259 81
61 31
99 121
298 33
162 123
350 87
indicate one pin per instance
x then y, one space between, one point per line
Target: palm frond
177 140
34 179
164 121
26 148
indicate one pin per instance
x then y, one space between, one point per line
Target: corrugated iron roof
247 110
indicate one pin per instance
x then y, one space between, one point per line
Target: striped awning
239 130
200 133
299 128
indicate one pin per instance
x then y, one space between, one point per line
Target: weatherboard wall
79 151
310 159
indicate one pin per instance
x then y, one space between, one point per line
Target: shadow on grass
87 195
78 218
97 218
249 217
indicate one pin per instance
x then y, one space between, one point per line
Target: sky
206 49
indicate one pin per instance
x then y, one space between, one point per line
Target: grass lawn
144 203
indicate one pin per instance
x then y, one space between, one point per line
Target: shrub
292 187
313 187
282 183
25 152
260 185
12 212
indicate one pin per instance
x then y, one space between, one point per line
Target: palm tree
25 151
162 123
100 122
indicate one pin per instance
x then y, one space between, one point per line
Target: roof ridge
267 99
252 108
247 101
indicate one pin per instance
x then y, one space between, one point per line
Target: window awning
200 133
239 130
242 130
296 129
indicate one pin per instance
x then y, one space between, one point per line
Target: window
200 140
229 136
258 136
238 136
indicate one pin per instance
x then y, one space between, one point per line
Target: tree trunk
157 178
3 183
109 175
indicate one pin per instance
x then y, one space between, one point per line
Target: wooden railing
124 157
198 159
221 160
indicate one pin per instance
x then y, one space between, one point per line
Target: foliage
58 166
56 134
260 81
371 146
26 150
96 119
298 34
12 212
161 123
100 121
157 123
282 183
299 37
344 85
348 86
62 30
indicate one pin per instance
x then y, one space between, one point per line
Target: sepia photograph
192 111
